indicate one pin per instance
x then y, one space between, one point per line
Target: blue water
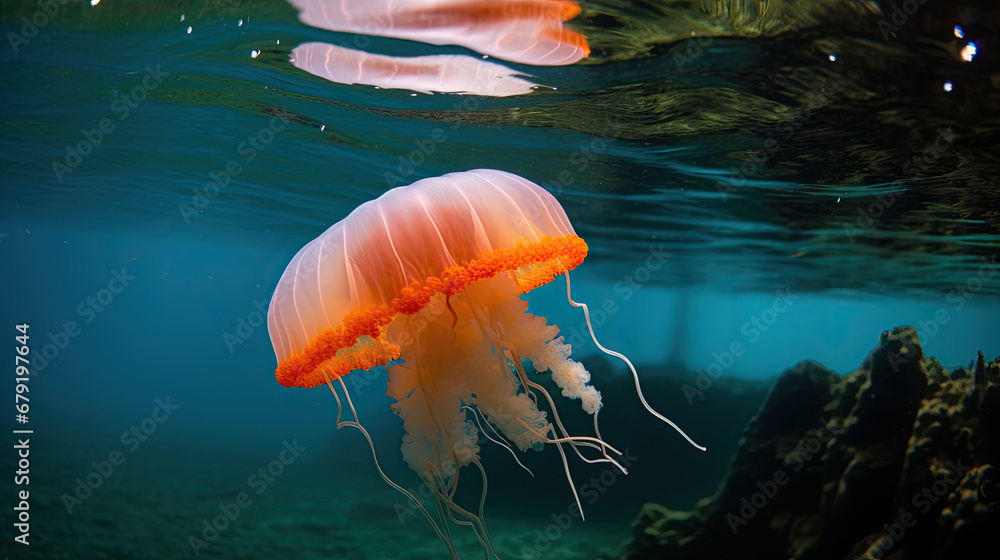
766 271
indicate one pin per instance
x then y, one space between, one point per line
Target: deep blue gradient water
141 287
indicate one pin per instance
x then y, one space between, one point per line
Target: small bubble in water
948 86
189 30
240 24
969 52
254 53
182 17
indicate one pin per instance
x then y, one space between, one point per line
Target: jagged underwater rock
896 460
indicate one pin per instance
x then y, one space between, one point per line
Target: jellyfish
446 73
427 281
526 31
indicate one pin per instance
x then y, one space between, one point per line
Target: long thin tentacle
477 524
635 375
569 476
558 422
570 439
357 424
502 442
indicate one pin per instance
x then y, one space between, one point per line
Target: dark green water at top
805 137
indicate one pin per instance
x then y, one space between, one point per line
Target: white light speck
182 17
959 32
948 86
278 42
969 52
838 199
240 24
413 95
322 128
95 2
254 53
833 58
189 30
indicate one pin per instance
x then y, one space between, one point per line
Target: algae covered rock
895 460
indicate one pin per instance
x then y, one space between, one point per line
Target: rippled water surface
763 144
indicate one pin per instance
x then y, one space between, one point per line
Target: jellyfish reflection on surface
525 31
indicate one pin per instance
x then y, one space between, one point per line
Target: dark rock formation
895 460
